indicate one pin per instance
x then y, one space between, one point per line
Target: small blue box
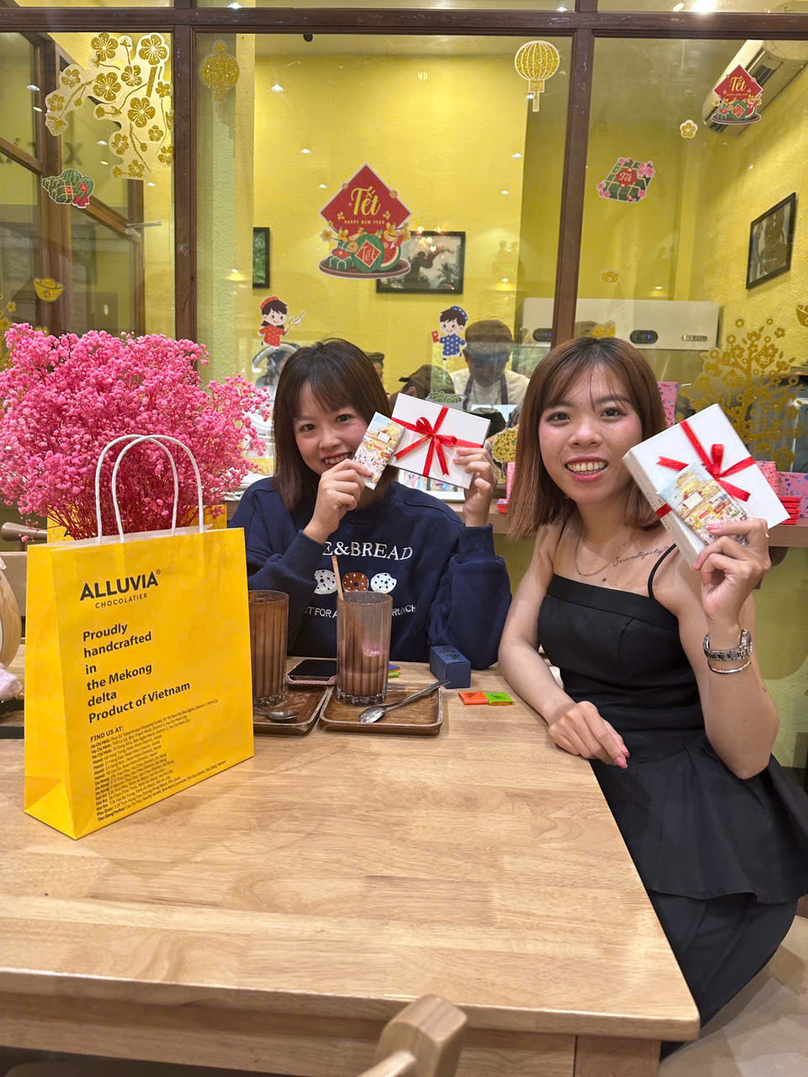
448 664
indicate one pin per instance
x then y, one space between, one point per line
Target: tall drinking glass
269 617
363 646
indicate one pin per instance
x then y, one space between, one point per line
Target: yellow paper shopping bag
137 679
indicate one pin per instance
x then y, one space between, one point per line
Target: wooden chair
423 1040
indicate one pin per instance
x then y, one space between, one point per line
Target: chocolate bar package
376 448
698 500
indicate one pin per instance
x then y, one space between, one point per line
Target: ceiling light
516 155
31 86
678 7
234 6
423 76
150 184
506 280
659 288
100 142
276 88
561 9
304 150
37 108
322 186
504 191
530 96
104 162
704 6
751 166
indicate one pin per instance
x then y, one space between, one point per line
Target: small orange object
471 698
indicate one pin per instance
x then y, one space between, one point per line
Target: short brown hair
340 374
535 499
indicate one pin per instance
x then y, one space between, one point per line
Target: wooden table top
339 875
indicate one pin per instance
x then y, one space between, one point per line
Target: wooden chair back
424 1040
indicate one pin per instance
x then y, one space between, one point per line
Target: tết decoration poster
366 229
628 180
738 97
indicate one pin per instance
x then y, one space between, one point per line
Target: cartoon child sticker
273 321
452 320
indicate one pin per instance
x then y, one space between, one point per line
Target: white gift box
437 426
723 450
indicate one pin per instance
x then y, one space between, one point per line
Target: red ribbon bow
713 464
436 441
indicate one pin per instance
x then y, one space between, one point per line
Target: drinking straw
335 563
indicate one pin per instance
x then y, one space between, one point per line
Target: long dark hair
535 498
340 375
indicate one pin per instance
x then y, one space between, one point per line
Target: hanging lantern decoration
537 61
219 70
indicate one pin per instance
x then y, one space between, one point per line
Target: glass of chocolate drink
269 616
363 646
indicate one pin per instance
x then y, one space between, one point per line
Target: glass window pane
99 3
691 244
447 124
439 5
18 92
102 230
19 245
703 7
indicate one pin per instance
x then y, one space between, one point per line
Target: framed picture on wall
437 262
771 237
260 258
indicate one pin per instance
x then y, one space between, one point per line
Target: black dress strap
653 571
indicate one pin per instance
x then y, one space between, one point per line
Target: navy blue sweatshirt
448 585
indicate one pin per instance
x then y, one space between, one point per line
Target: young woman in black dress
678 734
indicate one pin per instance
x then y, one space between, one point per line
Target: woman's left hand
730 571
478 496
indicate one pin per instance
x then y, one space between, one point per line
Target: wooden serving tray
423 718
309 701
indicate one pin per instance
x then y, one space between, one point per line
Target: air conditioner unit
769 63
650 324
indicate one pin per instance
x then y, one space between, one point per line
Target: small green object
498 699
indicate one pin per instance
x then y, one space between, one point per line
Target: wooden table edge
290 1005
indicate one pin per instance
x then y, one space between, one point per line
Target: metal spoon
373 714
277 716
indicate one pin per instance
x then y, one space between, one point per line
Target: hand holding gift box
710 439
432 432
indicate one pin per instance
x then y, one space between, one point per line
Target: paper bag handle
158 440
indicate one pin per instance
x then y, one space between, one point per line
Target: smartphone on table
313 671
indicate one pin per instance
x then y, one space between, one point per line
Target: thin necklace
602 567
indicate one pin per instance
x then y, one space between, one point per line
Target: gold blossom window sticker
756 385
131 86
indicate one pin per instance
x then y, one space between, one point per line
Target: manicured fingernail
621 762
713 527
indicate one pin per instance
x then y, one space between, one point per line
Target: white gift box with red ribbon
432 433
710 439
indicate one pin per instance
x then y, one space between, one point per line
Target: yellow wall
445 144
731 194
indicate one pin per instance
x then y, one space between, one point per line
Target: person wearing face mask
486 382
442 570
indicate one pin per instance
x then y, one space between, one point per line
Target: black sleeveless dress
696 832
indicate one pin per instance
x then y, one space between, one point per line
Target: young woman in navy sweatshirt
448 585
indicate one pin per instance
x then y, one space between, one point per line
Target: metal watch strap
731 654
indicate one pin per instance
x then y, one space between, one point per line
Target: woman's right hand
580 730
338 492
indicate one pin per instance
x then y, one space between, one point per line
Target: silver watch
733 654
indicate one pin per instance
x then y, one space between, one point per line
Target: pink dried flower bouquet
62 399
